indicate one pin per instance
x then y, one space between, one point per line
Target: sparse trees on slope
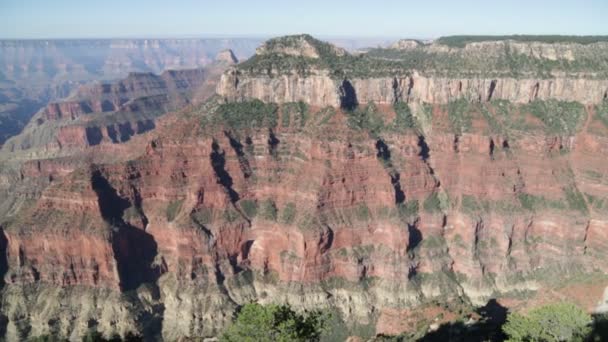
554 322
261 323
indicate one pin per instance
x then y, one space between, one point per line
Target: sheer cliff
509 70
394 200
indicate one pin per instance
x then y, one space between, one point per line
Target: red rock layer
228 209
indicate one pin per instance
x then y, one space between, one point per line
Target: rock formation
388 75
227 57
374 198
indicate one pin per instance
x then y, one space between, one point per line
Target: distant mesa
406 44
227 57
302 45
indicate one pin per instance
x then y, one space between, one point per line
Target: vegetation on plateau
370 119
462 41
388 62
553 322
557 322
602 112
557 116
243 115
554 117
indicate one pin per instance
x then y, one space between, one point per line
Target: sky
325 18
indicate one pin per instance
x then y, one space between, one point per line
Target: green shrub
367 118
469 204
362 212
575 200
597 203
303 111
45 338
432 204
433 241
459 114
408 209
559 117
246 114
601 111
173 209
553 322
326 115
250 207
269 323
231 215
268 210
387 62
461 41
285 118
202 216
536 203
92 336
288 213
527 201
404 118
296 112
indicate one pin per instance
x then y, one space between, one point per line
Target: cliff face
376 212
320 89
410 71
121 95
211 221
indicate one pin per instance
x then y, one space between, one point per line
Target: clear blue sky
380 18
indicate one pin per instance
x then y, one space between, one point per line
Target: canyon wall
113 112
204 222
322 90
36 72
415 211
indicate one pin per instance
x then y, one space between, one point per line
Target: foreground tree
554 322
262 323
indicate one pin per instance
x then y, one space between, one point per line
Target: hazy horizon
383 19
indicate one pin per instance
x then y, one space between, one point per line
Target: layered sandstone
313 210
488 70
113 113
36 72
120 96
320 89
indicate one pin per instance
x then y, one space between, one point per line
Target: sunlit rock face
374 197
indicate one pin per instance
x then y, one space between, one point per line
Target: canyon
36 72
396 188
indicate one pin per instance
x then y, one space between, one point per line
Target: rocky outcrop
406 44
297 46
226 57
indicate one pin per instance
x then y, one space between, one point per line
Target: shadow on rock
134 249
487 328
